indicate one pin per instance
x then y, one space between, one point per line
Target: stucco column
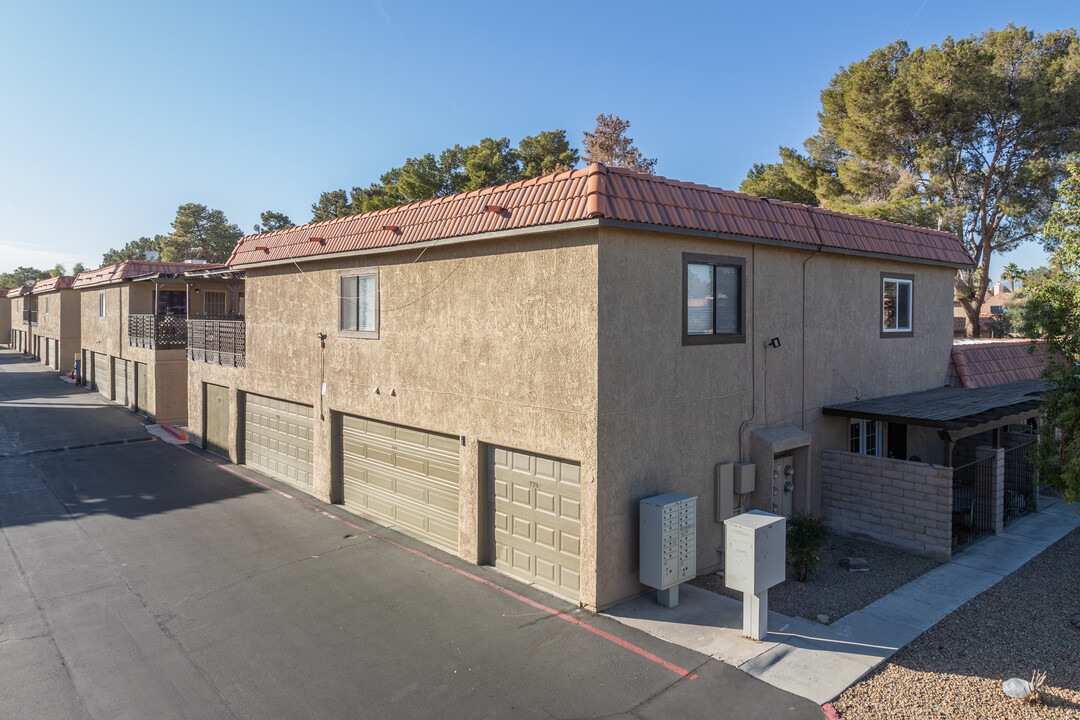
472 501
322 471
997 485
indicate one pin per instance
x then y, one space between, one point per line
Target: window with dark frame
713 300
359 303
896 304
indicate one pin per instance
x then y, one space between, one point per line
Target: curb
178 434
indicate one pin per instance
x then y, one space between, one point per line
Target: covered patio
981 437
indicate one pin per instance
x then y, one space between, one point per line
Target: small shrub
806 534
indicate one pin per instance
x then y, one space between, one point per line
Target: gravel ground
955 669
833 590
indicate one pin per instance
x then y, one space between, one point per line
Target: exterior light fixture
774 343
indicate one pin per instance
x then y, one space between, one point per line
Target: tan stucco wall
492 342
24 332
166 369
668 413
60 323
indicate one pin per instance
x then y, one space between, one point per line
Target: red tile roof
16 292
132 269
981 363
602 192
62 282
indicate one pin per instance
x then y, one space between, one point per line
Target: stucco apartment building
56 340
134 332
5 316
506 373
22 319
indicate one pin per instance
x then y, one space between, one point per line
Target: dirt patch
832 590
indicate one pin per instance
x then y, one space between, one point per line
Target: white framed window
865 437
896 304
214 302
101 304
359 303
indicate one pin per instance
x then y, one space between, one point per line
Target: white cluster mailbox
668 544
755 548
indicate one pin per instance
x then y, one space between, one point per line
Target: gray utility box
668 540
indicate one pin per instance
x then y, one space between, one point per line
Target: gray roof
947 407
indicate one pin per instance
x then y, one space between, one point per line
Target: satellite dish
152 255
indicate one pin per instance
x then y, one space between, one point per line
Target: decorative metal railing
157 332
216 341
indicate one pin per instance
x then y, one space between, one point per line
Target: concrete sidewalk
819 662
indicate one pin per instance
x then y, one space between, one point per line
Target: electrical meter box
755 546
668 540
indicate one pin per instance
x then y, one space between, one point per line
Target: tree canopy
134 250
270 221
609 144
1052 312
455 169
21 276
200 234
969 136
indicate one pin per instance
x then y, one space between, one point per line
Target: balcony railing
216 341
157 332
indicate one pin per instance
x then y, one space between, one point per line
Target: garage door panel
278 439
536 523
405 477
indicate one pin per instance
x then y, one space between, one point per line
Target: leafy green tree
771 181
609 144
969 136
78 268
271 221
200 234
545 153
1052 312
1012 273
58 270
134 250
456 169
21 276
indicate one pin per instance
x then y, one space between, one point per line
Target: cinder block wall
893 502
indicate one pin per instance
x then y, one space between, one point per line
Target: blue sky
114 113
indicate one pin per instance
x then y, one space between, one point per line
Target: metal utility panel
754 551
668 540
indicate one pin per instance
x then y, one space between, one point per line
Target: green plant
806 534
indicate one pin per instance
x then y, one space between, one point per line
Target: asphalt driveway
144 580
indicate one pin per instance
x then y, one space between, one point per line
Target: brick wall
893 502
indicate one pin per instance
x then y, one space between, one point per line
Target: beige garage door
278 438
537 519
102 374
404 477
122 381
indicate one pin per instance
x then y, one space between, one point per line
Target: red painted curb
830 712
178 434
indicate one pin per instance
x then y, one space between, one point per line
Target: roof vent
321 241
391 228
494 208
263 248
